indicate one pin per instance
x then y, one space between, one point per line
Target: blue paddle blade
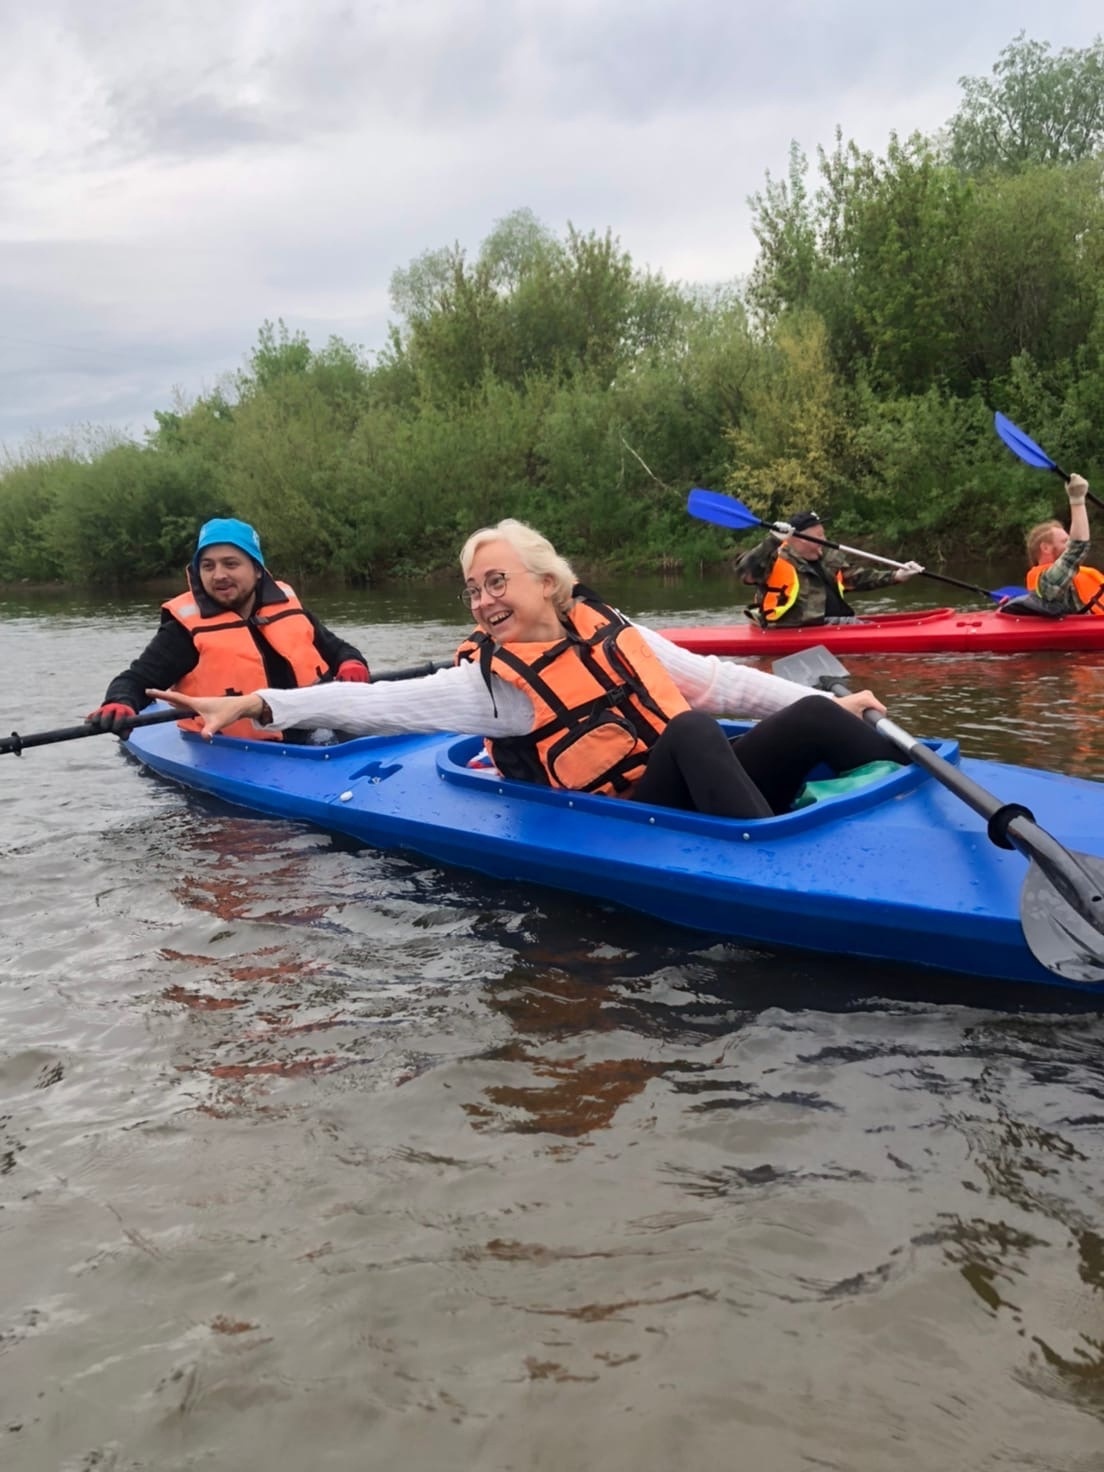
1022 445
721 510
1009 591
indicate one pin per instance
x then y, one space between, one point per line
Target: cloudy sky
172 175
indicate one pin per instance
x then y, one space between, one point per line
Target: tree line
896 301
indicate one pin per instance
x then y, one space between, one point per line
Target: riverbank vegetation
896 301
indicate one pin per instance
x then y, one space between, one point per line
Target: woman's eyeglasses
494 584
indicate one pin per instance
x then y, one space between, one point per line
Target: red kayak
925 631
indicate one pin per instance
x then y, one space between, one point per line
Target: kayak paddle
1025 449
728 511
1062 899
412 672
15 744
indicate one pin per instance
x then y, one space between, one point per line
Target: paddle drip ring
998 823
16 744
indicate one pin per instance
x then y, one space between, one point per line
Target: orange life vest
600 700
1088 584
781 591
230 662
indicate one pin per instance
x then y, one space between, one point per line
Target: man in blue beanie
235 629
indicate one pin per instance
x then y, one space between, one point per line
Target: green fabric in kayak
846 782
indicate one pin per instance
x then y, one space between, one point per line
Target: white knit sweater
457 699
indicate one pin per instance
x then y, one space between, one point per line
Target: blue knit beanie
227 529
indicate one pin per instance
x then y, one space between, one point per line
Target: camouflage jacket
818 595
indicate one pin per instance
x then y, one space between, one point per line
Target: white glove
909 570
1077 488
781 530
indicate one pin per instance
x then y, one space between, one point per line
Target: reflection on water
1038 709
569 1094
312 1155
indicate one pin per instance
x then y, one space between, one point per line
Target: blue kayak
898 870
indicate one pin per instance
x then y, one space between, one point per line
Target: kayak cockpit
459 764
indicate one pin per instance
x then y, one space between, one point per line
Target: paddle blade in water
1022 445
1062 914
721 510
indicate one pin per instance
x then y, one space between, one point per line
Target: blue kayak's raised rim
453 763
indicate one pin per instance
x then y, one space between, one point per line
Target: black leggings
694 765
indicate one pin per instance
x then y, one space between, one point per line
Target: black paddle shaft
935 577
1095 499
1009 824
15 744
1062 898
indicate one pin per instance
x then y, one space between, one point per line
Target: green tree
528 305
1039 108
28 491
127 515
1027 270
455 321
795 445
784 223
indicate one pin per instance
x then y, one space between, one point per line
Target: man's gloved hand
111 717
1077 488
353 672
781 530
909 570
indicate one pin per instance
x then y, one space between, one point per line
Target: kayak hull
898 871
925 631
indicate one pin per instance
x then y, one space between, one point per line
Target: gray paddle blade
1064 925
817 667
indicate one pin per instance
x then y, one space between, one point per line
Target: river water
313 1156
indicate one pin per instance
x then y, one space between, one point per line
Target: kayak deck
925 631
898 870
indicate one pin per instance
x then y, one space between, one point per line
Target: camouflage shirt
818 596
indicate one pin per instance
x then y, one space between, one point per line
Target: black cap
805 519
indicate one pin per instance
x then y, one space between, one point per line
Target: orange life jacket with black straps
600 698
230 662
781 591
1088 584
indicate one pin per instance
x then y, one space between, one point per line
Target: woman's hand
215 711
861 700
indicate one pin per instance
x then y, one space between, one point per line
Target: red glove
111 717
353 672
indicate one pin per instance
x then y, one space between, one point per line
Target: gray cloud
190 126
173 176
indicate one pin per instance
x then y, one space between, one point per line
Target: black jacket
171 653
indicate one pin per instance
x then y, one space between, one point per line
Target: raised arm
754 565
1077 489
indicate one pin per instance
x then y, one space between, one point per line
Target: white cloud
171 176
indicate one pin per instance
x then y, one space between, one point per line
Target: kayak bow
923 631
